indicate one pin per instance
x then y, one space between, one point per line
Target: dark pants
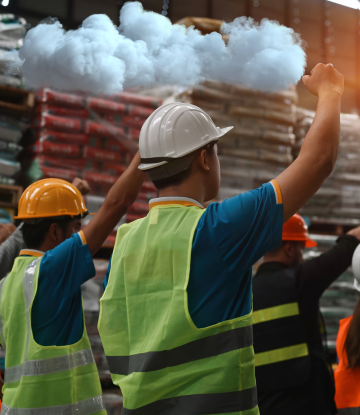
314 397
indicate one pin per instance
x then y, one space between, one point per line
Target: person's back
159 349
291 368
178 149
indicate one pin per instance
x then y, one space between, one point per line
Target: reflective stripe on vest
190 352
85 407
273 313
349 411
279 355
51 365
219 403
284 353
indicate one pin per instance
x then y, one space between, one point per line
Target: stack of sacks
260 145
11 133
12 33
89 137
339 197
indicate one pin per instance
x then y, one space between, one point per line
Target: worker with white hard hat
49 365
347 374
176 314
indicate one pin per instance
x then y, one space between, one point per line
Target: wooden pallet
16 101
9 196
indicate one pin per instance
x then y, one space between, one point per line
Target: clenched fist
82 185
324 79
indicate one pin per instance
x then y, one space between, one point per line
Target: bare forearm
321 144
300 181
118 200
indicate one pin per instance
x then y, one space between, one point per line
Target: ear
204 160
289 249
56 233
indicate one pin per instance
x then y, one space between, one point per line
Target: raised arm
118 200
300 181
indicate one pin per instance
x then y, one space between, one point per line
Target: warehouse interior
48 133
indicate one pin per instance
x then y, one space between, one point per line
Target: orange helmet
295 229
49 198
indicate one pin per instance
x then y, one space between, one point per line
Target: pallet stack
88 137
338 200
12 33
260 145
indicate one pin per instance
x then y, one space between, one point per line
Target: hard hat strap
171 159
157 160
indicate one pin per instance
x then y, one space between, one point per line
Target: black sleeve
315 275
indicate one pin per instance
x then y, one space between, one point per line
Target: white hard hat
356 267
173 131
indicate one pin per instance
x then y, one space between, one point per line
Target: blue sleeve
244 227
57 314
106 279
67 266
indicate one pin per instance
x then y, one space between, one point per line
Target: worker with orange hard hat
291 367
49 364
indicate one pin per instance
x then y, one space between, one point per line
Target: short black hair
173 180
34 234
178 178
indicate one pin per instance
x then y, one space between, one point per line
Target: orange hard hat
49 198
295 229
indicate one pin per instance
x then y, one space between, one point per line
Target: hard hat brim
223 131
309 243
50 216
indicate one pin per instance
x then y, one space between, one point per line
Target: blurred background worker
12 240
49 363
347 374
292 373
180 278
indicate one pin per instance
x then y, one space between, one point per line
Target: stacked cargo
339 197
12 33
260 145
10 137
88 137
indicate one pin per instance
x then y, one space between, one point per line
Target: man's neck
278 259
178 191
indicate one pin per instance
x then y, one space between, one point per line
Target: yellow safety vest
162 362
42 380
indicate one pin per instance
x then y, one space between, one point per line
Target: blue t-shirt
230 237
56 316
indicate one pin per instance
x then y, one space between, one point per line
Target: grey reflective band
1 321
349 411
47 366
199 349
28 287
85 407
216 403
